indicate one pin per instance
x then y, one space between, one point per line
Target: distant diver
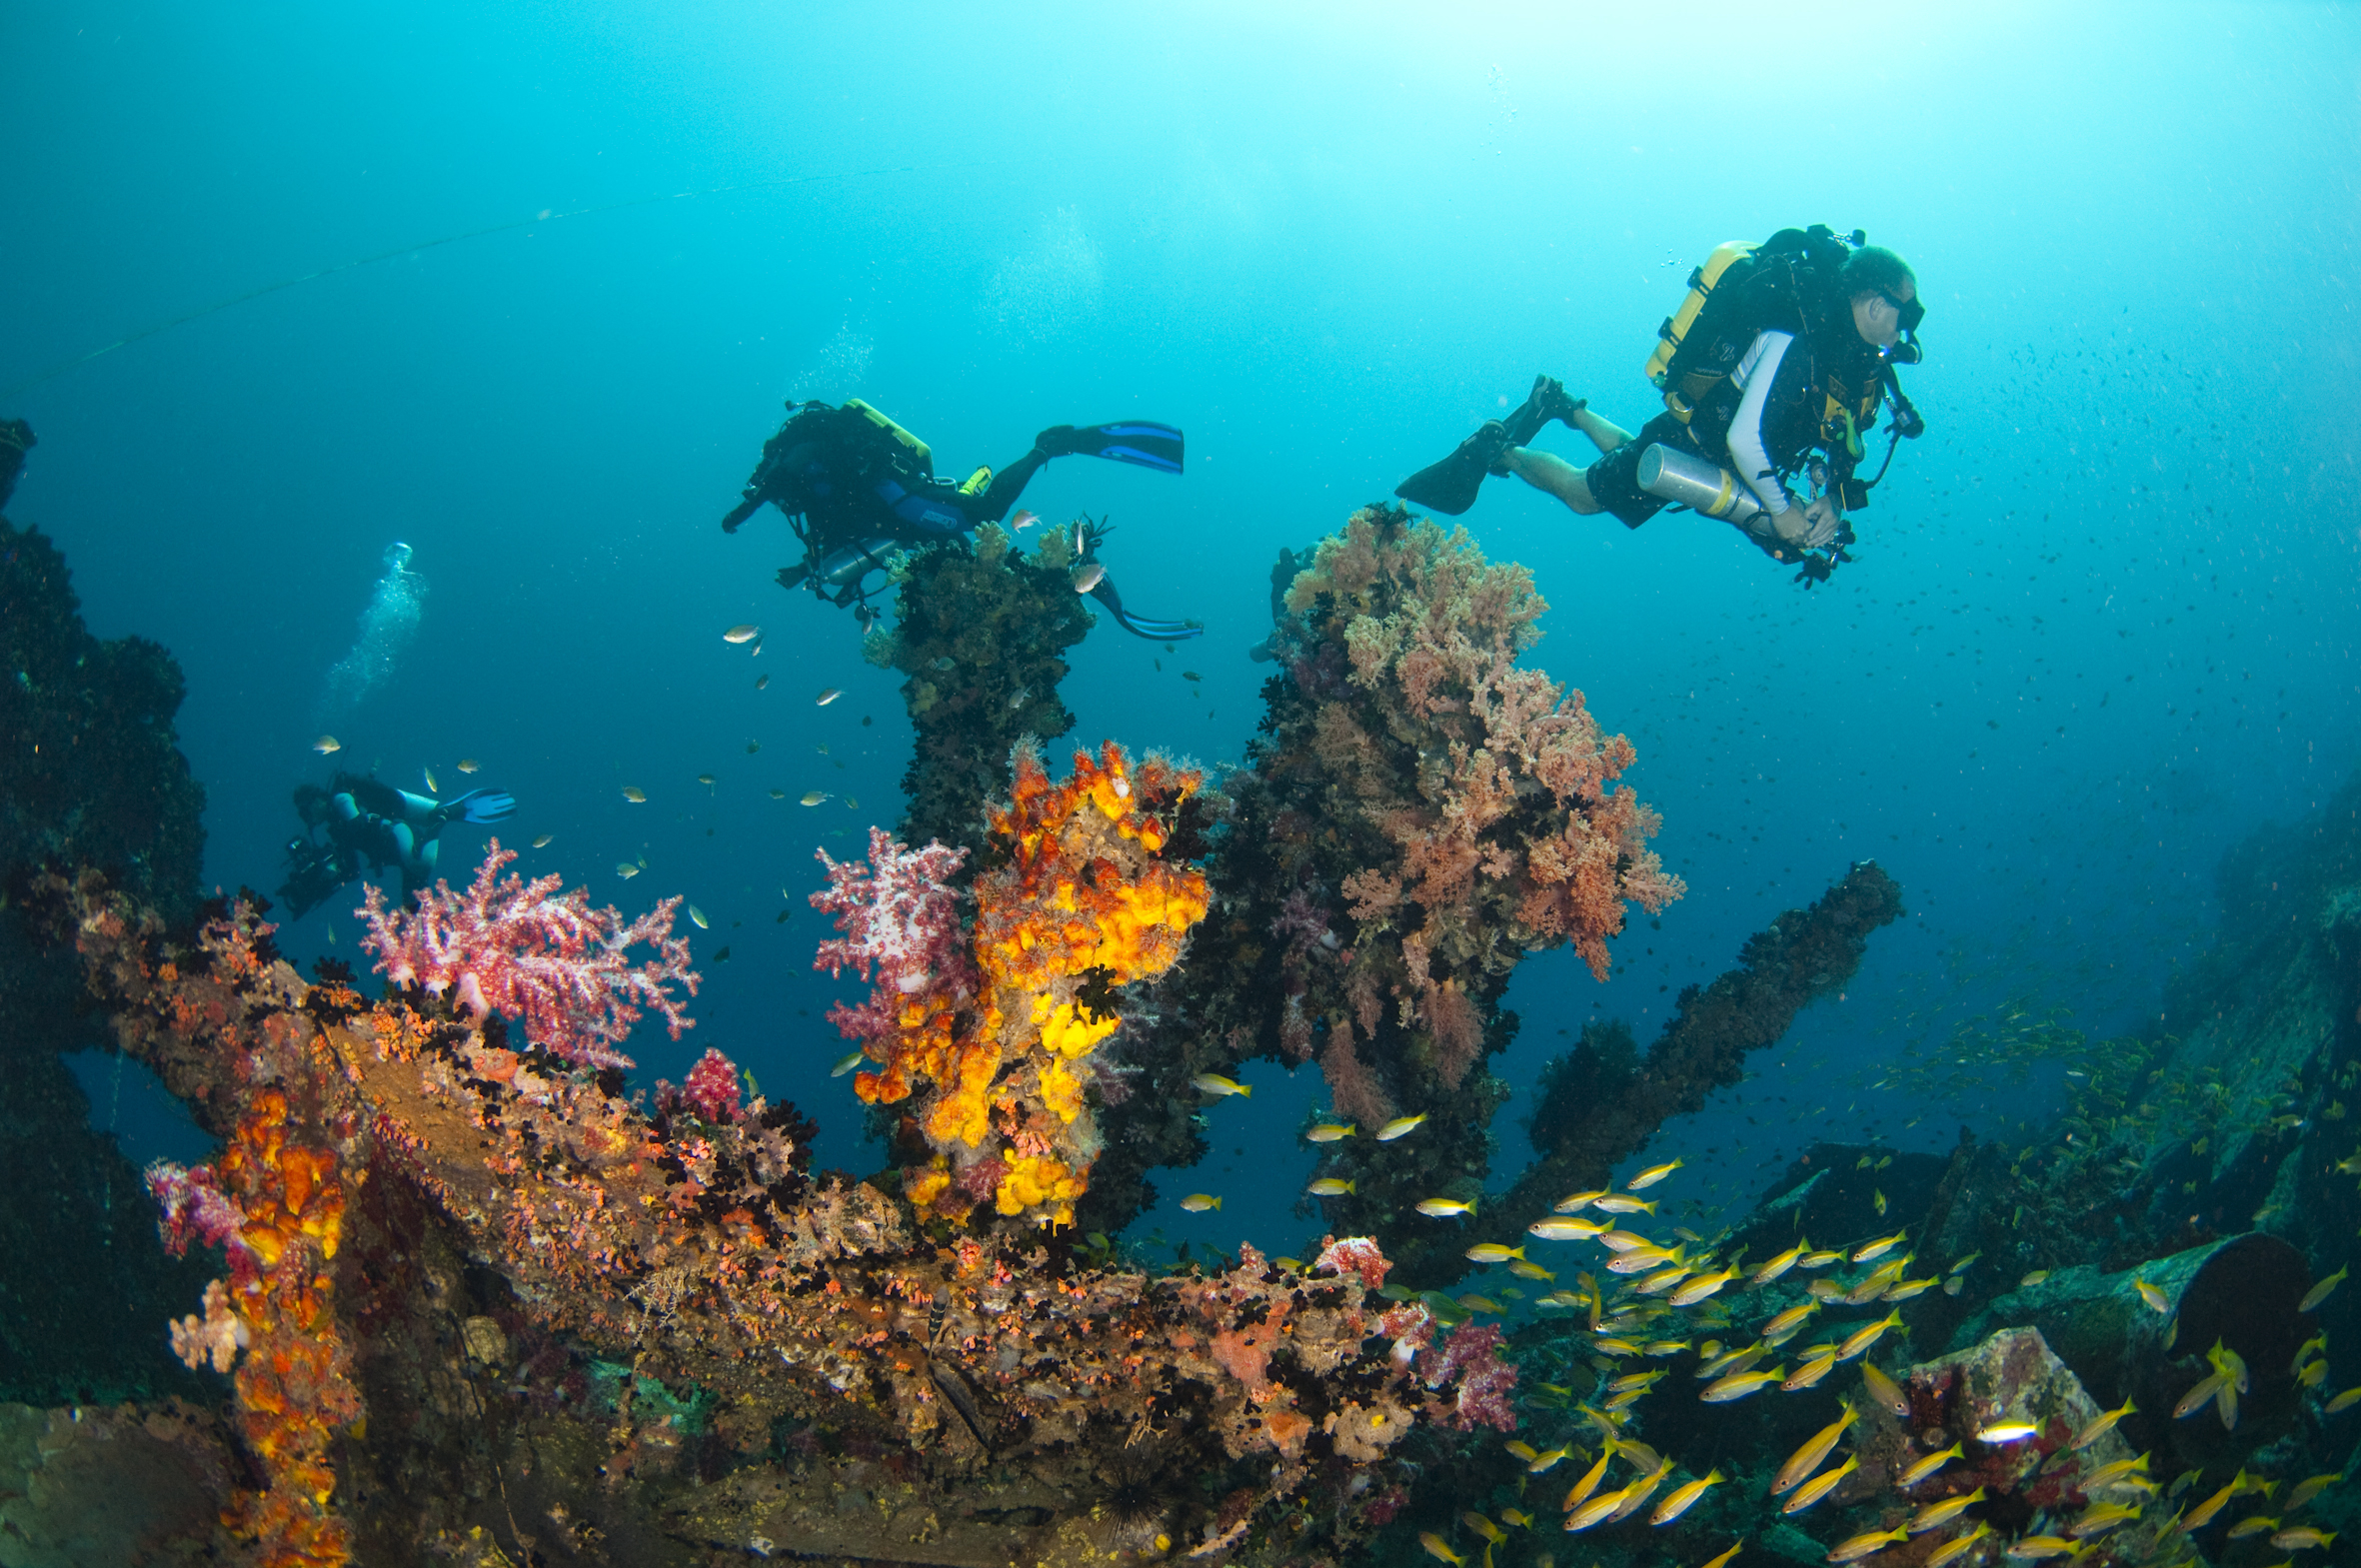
854 485
1284 573
369 823
1781 353
16 439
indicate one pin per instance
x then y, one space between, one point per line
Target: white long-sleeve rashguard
1753 377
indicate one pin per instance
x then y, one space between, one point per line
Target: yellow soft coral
1038 1182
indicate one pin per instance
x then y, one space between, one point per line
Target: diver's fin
1156 631
1449 486
1143 442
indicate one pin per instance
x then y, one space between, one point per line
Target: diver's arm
1749 458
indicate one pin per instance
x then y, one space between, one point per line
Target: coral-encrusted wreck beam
700 1250
1595 1113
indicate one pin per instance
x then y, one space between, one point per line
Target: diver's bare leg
1606 434
1546 471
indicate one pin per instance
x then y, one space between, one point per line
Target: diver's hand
1821 521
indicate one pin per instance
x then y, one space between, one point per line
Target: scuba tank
1701 282
1675 475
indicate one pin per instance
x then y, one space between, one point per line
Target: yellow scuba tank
1701 282
911 444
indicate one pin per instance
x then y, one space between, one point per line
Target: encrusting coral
995 1032
693 1243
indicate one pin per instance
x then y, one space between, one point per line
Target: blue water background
2101 626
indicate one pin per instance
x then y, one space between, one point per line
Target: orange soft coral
1082 903
294 1383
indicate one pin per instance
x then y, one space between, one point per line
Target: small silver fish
1022 520
697 915
635 794
815 796
431 787
625 871
745 632
327 745
541 842
1088 575
829 695
468 764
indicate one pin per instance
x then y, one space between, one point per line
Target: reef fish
1565 1229
1198 1202
815 796
635 794
1651 1176
1439 1549
744 631
1927 1466
1887 1392
541 842
1445 1209
625 871
1619 1203
829 695
762 681
468 764
327 743
1861 1339
846 1064
1935 1515
2007 1432
1737 1385
427 774
1681 1499
1330 1131
1871 1250
1780 1264
2098 1428
1218 1086
1329 1188
2035 1547
2302 1537
1400 1126
697 915
1867 1544
2305 1491
1806 1459
1492 1252
1951 1551
1724 1560
1576 1202
2320 1292
1088 576
1022 520
1821 1486
2157 1300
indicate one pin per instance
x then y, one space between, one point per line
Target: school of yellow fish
1678 1299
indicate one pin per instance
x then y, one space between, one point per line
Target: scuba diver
1775 365
854 484
372 822
16 439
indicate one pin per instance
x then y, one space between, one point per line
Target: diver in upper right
1774 369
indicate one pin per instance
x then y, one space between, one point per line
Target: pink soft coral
527 952
712 1090
1472 1355
899 918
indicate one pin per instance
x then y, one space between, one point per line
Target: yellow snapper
1819 1486
1648 1178
1330 1131
1445 1209
1494 1252
1218 1086
1400 1126
1329 1188
1198 1202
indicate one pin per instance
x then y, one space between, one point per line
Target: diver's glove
740 512
481 806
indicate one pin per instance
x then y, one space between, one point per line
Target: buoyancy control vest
1788 282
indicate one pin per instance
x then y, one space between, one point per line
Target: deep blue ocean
561 264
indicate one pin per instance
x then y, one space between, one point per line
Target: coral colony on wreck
446 1242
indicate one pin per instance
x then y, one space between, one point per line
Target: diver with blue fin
855 486
369 823
1774 368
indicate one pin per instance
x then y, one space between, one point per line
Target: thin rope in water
284 284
